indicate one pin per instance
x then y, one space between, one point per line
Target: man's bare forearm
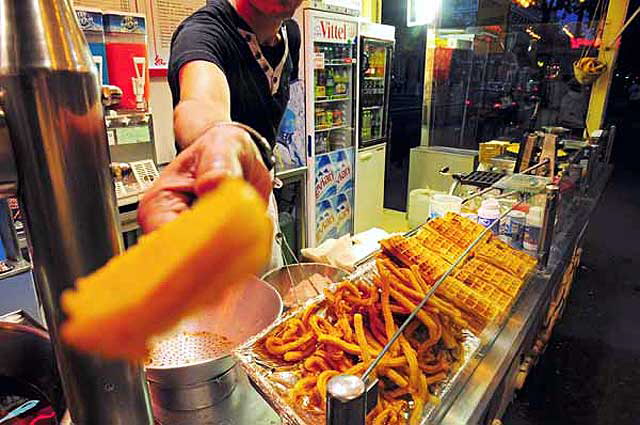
204 101
192 117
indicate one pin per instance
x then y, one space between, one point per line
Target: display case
482 376
331 121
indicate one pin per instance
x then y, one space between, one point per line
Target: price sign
318 61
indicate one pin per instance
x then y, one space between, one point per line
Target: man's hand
221 152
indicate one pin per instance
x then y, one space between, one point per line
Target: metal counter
488 381
472 405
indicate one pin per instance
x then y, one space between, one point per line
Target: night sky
629 59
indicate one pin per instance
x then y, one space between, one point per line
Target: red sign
328 30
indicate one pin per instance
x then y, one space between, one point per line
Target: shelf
371 108
340 64
342 99
374 78
324 130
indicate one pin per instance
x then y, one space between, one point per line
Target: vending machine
330 41
377 44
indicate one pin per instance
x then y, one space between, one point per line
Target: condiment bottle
533 229
489 213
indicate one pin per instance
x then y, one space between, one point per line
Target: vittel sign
328 30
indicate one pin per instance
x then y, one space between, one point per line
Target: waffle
457 229
475 272
442 246
501 255
471 301
411 252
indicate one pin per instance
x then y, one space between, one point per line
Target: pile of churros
344 332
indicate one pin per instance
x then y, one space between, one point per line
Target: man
230 61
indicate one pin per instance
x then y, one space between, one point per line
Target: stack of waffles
484 285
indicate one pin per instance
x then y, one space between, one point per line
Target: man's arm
204 101
209 154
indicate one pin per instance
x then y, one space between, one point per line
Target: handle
366 156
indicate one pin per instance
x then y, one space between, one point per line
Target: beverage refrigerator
376 47
330 41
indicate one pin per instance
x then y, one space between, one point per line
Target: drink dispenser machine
92 25
127 57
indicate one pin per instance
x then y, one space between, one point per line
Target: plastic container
533 229
442 204
419 206
489 213
127 58
512 228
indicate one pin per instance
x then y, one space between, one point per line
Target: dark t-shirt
213 34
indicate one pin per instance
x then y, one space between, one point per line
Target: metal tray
262 370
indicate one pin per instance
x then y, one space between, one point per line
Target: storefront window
500 81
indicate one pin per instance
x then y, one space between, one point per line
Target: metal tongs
351 398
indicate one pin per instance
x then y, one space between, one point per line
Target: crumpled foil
271 379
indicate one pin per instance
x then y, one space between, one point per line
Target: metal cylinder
346 401
548 225
51 100
610 141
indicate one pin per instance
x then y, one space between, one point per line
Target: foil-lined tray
268 378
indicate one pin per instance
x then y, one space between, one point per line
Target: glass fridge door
333 115
373 86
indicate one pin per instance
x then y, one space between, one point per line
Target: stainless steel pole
346 401
548 225
51 100
610 141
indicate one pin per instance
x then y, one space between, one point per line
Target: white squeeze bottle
489 213
533 229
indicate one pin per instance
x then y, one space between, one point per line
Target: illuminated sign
580 42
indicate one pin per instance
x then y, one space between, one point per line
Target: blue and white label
326 221
89 20
344 213
124 23
487 222
343 168
517 232
325 178
531 238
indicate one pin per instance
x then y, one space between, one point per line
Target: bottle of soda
321 83
331 83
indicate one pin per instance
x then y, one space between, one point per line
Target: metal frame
473 402
309 15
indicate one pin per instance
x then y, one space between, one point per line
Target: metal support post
610 140
548 225
592 152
